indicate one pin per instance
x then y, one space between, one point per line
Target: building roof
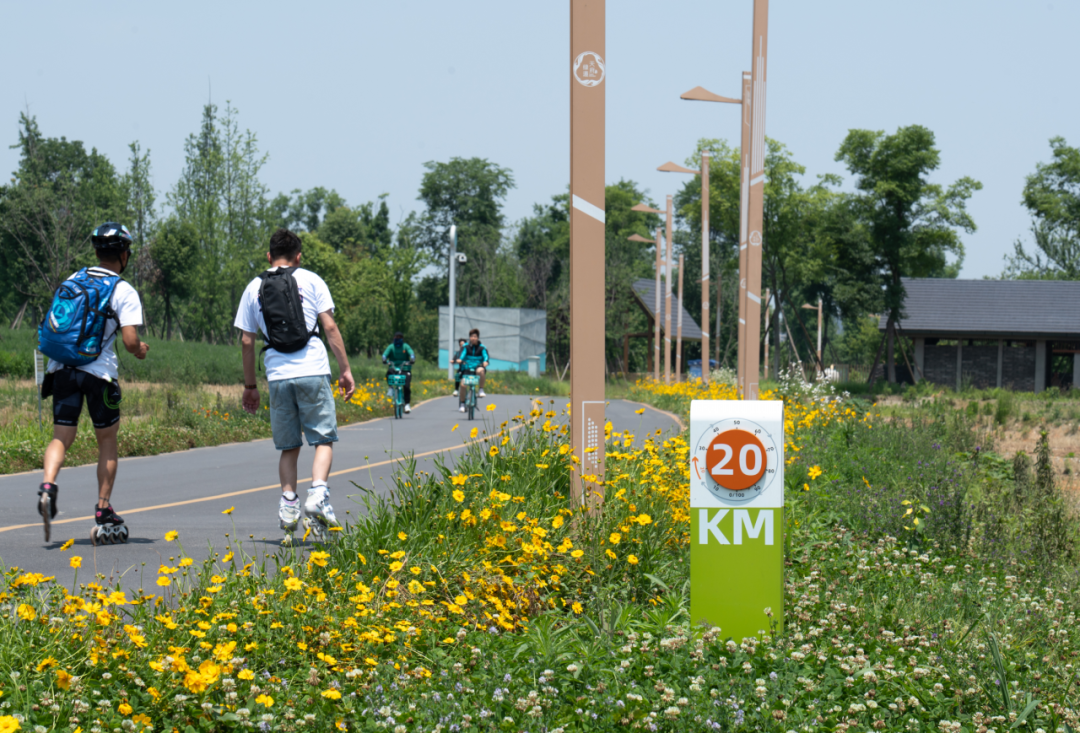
1017 309
645 293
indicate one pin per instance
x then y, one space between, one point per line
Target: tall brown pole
719 313
667 297
821 364
656 311
744 213
678 328
757 198
705 158
587 217
765 367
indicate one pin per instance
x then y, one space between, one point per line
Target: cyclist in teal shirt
399 356
474 359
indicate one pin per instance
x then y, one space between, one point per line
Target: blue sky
358 95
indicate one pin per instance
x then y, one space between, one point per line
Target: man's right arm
337 345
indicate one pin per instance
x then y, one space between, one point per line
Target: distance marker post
737 516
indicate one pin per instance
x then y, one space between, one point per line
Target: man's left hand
250 400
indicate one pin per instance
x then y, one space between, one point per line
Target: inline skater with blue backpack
78 335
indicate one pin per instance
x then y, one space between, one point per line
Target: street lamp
704 173
700 94
656 320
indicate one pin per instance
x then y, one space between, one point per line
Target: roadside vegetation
930 586
187 395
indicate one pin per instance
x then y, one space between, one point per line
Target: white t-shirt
310 361
125 303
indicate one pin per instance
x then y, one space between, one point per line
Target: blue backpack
74 328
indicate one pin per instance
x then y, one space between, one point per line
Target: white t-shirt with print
310 361
128 309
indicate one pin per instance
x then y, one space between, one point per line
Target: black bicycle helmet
111 237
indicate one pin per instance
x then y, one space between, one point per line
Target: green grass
156 418
521 614
171 402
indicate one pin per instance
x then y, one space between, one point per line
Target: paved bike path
189 490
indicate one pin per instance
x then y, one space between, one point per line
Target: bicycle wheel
472 402
399 406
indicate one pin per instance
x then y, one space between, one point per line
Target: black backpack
286 327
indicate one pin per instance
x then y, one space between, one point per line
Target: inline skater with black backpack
286 303
78 335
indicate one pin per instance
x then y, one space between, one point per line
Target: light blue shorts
302 403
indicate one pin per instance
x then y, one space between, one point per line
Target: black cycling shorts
69 388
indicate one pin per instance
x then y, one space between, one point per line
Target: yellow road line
267 488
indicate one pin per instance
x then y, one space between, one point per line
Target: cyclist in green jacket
399 356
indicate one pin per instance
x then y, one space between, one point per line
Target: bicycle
396 380
470 382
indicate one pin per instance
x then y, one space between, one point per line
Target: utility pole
678 329
706 158
667 297
755 177
453 298
744 215
656 313
765 368
587 239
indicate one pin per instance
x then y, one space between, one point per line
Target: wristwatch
251 386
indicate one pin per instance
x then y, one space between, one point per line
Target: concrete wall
511 335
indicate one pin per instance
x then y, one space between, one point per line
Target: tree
139 195
170 273
542 246
911 224
304 211
793 269
1052 195
468 193
360 229
57 196
220 194
403 262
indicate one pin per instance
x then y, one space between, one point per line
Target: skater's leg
287 469
63 437
320 467
107 457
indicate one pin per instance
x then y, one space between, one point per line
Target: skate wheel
95 539
122 534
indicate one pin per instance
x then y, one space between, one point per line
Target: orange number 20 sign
736 459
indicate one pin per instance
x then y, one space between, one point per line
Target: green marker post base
737 570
